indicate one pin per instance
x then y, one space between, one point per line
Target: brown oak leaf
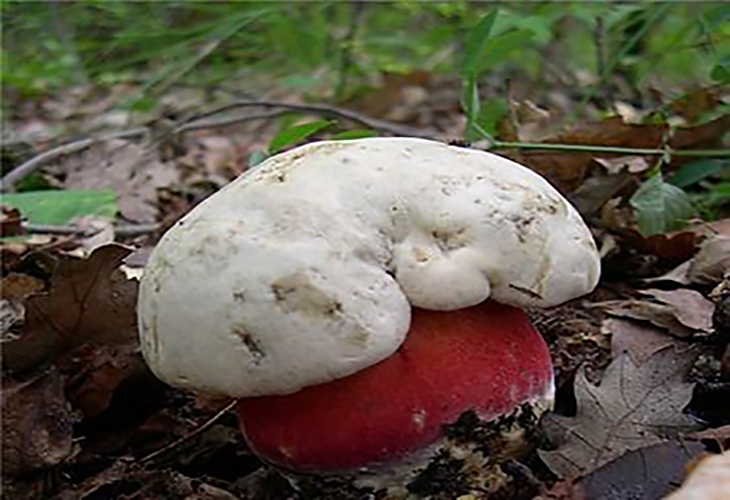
636 405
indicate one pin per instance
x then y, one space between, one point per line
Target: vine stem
582 148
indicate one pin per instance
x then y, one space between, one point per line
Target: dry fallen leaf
661 315
645 473
37 425
596 191
634 406
639 340
720 436
10 222
568 170
690 307
711 262
96 372
131 170
89 301
681 312
678 275
14 289
632 164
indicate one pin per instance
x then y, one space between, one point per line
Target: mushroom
709 479
362 300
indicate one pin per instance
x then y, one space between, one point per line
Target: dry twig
196 432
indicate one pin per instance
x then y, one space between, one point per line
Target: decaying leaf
650 472
690 307
681 312
97 233
632 164
597 190
131 170
14 289
719 435
568 170
37 424
638 339
10 222
711 262
97 372
678 275
636 405
89 301
661 315
674 246
660 206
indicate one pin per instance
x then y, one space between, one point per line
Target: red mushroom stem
486 361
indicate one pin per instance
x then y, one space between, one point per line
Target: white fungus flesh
304 269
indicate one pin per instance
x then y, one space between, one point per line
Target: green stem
653 18
687 153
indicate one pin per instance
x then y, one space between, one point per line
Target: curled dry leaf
568 170
98 232
632 164
89 301
690 307
711 262
719 435
636 405
596 191
682 312
678 275
37 424
661 315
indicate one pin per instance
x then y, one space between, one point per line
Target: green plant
61 207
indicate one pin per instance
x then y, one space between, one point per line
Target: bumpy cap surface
304 270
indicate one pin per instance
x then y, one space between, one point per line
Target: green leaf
61 207
491 113
475 40
295 134
354 134
498 48
721 72
660 206
470 104
693 172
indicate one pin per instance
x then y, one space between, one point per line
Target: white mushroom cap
304 269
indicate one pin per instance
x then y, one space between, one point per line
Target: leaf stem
582 148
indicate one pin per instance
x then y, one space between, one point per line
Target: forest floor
83 418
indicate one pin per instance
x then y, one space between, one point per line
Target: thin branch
346 58
225 122
123 230
198 123
207 425
322 109
22 171
584 148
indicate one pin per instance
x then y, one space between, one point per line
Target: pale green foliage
660 206
62 207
